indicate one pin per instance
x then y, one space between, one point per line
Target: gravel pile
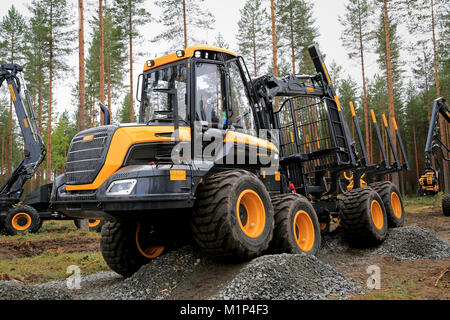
413 242
334 242
409 242
155 280
10 290
288 277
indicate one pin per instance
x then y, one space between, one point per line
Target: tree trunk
131 63
274 46
391 110
39 171
445 168
102 60
10 139
49 133
185 27
10 151
366 108
3 153
292 42
274 39
81 69
416 156
108 76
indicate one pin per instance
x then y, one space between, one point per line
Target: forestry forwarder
429 181
18 216
157 179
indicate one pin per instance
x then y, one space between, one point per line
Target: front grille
86 158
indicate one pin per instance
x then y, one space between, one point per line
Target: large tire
233 216
122 250
393 202
22 219
94 225
363 217
297 228
446 204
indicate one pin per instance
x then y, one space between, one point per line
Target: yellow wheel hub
149 252
21 221
377 214
304 231
396 205
93 223
251 213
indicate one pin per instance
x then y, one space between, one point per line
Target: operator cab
213 81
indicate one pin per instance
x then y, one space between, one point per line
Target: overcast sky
326 13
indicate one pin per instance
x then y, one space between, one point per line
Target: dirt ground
404 279
11 250
400 279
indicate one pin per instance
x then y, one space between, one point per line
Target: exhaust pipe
106 114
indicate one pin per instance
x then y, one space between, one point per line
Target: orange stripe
352 109
374 119
384 120
121 142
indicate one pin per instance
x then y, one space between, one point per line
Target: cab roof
183 54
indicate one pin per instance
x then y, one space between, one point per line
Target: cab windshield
166 92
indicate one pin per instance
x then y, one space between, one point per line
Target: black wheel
297 227
93 224
363 217
233 216
446 204
22 219
127 246
393 202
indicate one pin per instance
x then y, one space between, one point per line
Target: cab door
210 107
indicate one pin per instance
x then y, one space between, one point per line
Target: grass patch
52 229
51 266
423 204
402 290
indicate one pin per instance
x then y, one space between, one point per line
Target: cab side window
210 94
242 114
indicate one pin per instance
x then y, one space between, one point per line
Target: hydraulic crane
21 217
429 181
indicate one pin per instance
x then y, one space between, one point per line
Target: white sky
227 14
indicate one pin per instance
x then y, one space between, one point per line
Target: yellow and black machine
239 165
436 149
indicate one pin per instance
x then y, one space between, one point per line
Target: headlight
121 187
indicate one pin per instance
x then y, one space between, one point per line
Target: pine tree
133 14
357 31
220 42
81 69
37 57
12 29
274 38
59 38
181 20
102 57
123 114
115 60
296 30
423 20
62 135
253 34
388 50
